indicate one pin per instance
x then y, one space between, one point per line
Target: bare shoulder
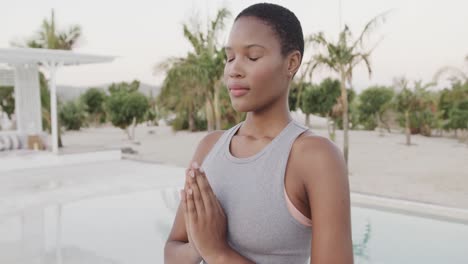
320 167
314 151
205 145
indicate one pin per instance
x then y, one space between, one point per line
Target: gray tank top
251 192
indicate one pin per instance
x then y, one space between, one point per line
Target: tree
126 106
311 101
321 100
453 107
330 90
293 95
182 91
374 101
459 115
406 101
124 87
414 102
72 115
93 102
337 112
342 57
205 65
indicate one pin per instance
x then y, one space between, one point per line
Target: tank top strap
283 146
280 153
219 144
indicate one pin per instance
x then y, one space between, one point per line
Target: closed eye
252 59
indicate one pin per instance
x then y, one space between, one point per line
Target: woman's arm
178 249
324 173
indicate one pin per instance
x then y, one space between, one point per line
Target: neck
267 122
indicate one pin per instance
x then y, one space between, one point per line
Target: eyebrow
245 47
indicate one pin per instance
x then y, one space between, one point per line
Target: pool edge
420 209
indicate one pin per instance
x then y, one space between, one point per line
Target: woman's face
256 73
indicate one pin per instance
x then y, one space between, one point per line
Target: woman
268 190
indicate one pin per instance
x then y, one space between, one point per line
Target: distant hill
68 92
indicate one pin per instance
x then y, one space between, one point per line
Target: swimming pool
132 228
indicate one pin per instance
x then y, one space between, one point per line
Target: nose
234 69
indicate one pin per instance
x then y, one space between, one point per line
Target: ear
294 61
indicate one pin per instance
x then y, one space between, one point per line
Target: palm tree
182 90
409 101
48 37
453 107
342 57
206 64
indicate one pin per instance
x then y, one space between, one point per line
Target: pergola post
52 66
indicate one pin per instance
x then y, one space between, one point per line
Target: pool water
132 228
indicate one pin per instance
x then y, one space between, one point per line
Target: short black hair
283 22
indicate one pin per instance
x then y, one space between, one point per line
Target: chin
242 107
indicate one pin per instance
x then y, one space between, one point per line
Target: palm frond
192 37
370 26
68 39
218 23
365 58
317 39
358 57
321 60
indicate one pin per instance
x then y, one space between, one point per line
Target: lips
238 90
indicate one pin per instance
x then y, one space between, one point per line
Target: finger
195 165
197 198
210 200
219 206
183 200
187 177
191 211
208 195
183 197
210 191
202 179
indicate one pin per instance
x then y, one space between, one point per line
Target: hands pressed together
205 221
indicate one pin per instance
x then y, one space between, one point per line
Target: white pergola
26 62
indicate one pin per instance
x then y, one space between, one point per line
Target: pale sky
419 36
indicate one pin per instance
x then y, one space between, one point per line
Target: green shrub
72 115
124 107
93 101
